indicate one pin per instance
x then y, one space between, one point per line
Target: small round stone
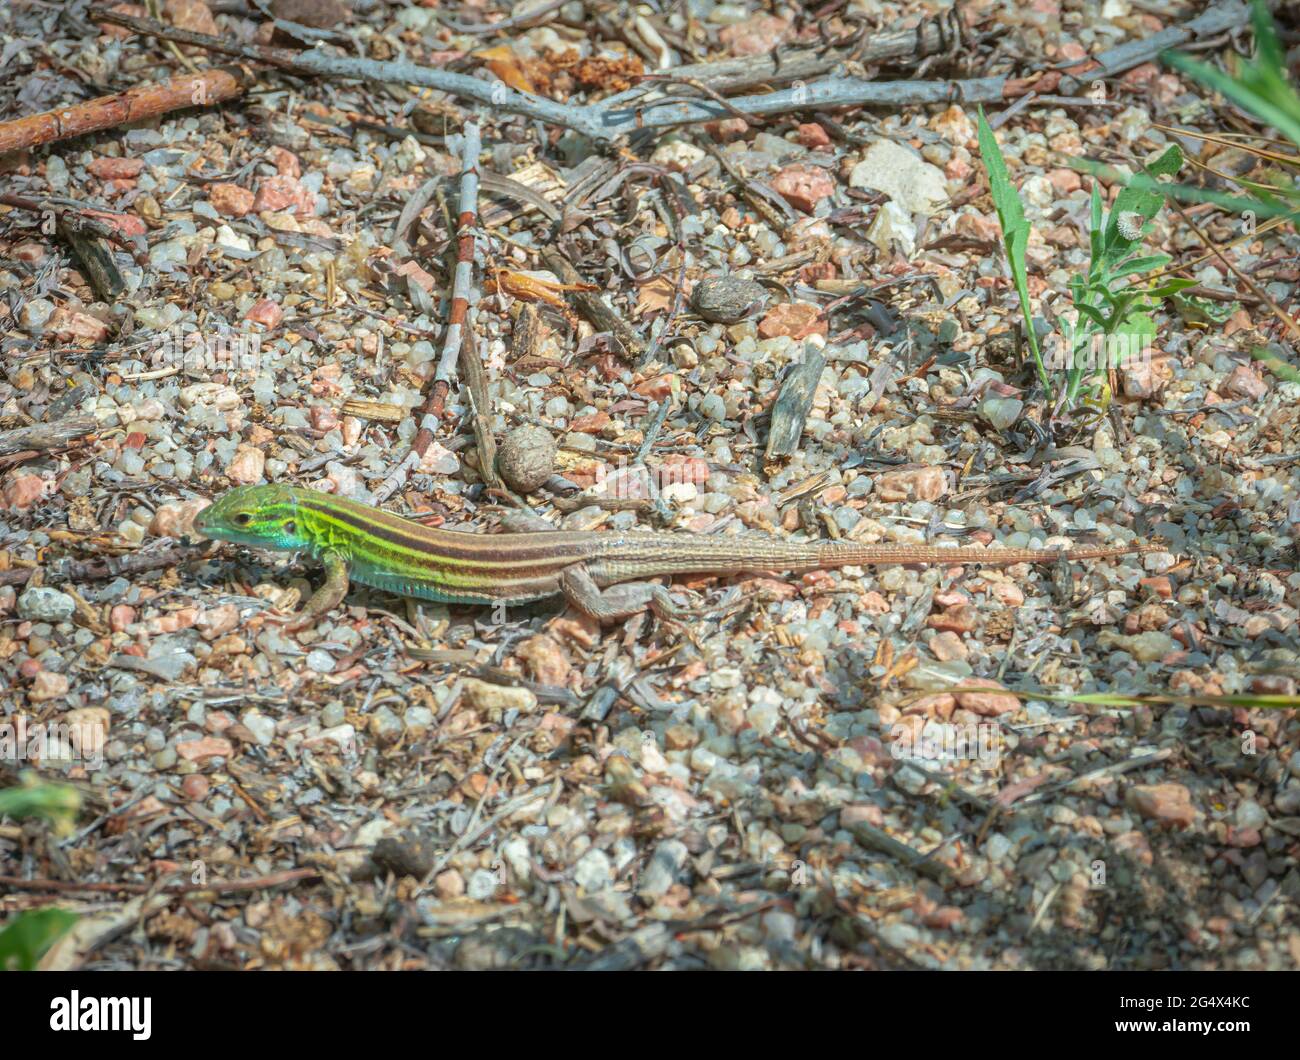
727 299
526 458
195 787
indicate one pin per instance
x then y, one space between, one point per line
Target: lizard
596 571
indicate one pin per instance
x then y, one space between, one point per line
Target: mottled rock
813 136
283 192
490 697
758 35
803 187
193 15
115 168
205 748
910 181
230 200
727 299
43 604
989 704
1245 382
795 319
247 466
1164 803
266 312
47 686
912 484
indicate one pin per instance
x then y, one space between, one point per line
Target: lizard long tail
634 556
840 554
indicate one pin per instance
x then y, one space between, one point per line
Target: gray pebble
727 299
593 872
321 661
663 868
42 604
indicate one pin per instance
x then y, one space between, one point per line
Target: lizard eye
243 519
290 527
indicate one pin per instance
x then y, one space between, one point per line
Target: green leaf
28 935
1247 91
1109 297
1134 266
1203 310
1268 47
1275 364
1169 286
1124 302
1267 204
1015 233
1140 330
1092 313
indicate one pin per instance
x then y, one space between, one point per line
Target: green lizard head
260 516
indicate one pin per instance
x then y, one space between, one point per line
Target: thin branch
432 410
480 405
89 218
1225 16
112 567
625 114
855 91
1262 295
592 306
729 75
315 63
121 108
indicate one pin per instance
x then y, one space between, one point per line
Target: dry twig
432 410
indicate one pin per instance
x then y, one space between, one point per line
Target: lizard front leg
327 597
617 601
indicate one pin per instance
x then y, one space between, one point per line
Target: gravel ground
788 781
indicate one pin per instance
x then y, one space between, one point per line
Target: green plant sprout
1114 323
1113 314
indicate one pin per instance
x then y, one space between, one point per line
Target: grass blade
1015 233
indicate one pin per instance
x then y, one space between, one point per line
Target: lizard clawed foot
621 601
665 607
291 622
323 600
296 622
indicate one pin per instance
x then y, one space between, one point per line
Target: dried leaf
507 66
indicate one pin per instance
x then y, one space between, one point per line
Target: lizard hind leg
616 602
